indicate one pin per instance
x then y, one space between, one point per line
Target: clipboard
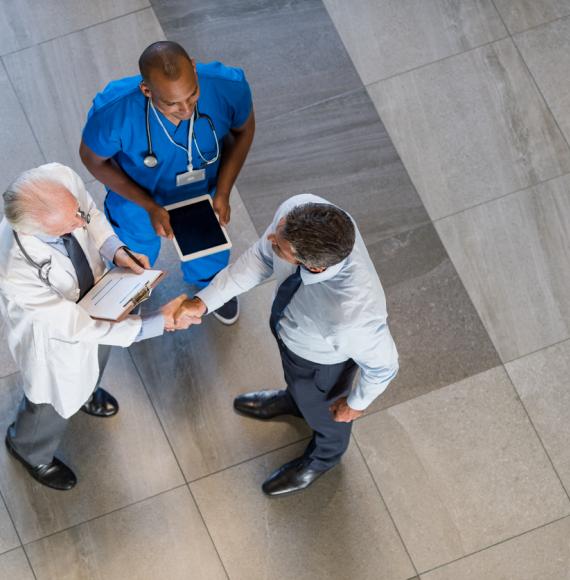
119 292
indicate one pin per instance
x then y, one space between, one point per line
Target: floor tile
471 128
286 71
512 255
340 150
339 528
8 537
546 51
461 469
56 88
541 380
522 14
27 22
14 565
162 537
118 461
7 363
386 37
438 333
19 148
193 377
543 554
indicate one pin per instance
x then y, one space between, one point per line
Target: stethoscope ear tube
43 268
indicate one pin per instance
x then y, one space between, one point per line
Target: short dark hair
321 235
164 56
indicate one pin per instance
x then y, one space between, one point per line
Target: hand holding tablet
197 231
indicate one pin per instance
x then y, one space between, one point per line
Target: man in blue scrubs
136 142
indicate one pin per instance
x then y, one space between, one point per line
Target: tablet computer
197 231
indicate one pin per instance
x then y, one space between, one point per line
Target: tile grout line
385 504
558 342
82 29
439 566
535 26
24 112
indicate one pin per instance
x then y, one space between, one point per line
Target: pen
134 258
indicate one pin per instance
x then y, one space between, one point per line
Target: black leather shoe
55 474
294 476
101 404
265 404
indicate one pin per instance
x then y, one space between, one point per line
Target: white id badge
192 176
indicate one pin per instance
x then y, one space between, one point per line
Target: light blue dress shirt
152 324
335 315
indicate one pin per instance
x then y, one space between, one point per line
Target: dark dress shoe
54 474
265 404
101 404
294 476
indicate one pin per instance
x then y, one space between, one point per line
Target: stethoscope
151 160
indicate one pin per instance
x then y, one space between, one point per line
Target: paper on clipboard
118 292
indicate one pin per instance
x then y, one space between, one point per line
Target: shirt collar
309 277
47 239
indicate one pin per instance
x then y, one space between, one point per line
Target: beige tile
461 469
542 554
14 566
159 538
339 528
541 380
522 14
8 537
512 255
56 87
386 37
27 22
193 377
118 460
546 50
471 128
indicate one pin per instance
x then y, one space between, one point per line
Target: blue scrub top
116 127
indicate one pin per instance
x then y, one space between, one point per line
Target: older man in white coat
53 247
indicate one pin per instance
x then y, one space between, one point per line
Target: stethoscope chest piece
150 160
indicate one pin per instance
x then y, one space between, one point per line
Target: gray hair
321 235
30 199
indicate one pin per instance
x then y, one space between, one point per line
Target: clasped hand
177 316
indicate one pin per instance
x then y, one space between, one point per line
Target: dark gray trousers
39 429
312 388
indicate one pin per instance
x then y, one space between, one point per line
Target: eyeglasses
86 217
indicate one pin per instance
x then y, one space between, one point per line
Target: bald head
36 203
163 59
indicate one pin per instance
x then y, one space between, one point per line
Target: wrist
200 303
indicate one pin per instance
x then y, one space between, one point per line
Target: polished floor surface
442 127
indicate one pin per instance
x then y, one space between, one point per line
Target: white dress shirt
335 315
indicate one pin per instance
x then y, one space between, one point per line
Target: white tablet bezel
208 251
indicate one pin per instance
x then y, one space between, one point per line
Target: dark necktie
78 259
283 297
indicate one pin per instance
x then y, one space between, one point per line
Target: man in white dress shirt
53 242
329 319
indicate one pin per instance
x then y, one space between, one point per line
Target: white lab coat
53 340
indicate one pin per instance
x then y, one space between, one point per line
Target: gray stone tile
541 380
461 469
439 335
14 566
193 377
8 537
522 14
386 37
339 528
340 150
289 49
19 150
27 22
471 128
542 554
56 87
512 255
118 461
7 363
161 537
546 51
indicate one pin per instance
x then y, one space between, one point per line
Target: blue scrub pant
133 226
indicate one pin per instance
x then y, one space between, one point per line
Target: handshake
182 312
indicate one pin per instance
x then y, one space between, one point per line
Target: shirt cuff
110 247
211 298
152 325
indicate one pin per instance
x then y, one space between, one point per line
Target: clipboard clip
141 296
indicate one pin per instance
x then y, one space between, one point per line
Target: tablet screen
196 227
